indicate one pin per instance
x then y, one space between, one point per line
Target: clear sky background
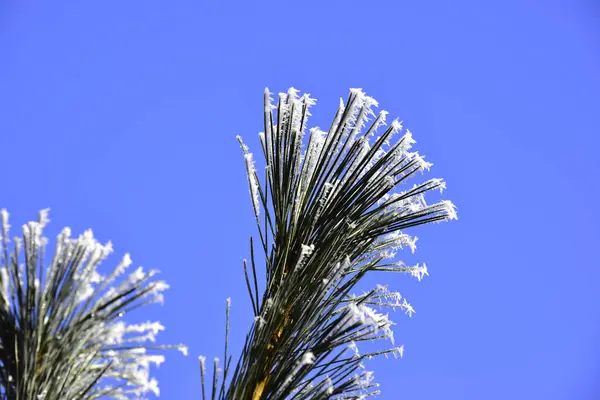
122 115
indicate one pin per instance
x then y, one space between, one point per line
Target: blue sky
122 117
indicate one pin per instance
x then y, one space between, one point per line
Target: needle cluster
62 334
329 210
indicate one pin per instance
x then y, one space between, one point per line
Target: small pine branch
62 334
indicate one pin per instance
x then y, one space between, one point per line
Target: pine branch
332 214
61 330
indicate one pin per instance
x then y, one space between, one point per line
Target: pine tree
330 215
